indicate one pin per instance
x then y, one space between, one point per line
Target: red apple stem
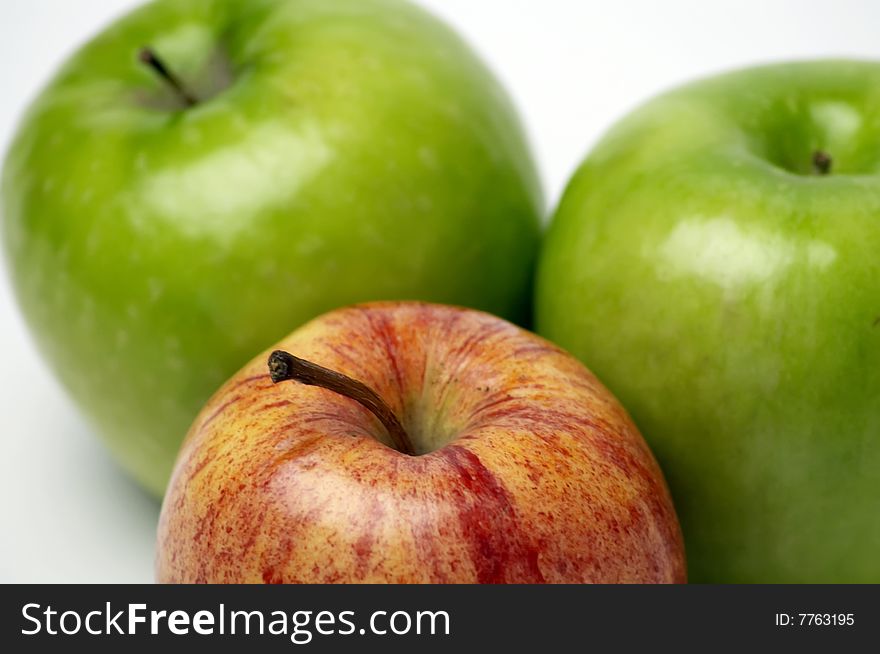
822 162
149 57
284 366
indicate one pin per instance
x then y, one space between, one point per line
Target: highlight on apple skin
526 469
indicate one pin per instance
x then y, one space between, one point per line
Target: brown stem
151 59
284 366
821 162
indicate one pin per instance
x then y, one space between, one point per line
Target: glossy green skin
731 300
360 152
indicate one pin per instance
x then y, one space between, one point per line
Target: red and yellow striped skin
531 472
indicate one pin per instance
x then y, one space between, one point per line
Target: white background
573 66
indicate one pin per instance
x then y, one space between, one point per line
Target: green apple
206 175
715 262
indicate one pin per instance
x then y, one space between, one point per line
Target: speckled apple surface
529 470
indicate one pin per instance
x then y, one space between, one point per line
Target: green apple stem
284 366
151 59
821 162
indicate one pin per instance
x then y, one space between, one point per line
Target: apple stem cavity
149 57
284 366
822 162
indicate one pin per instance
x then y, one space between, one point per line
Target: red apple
510 463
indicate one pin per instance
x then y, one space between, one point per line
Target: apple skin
529 470
729 298
348 150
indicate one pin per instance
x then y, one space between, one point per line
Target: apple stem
821 162
149 57
284 366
